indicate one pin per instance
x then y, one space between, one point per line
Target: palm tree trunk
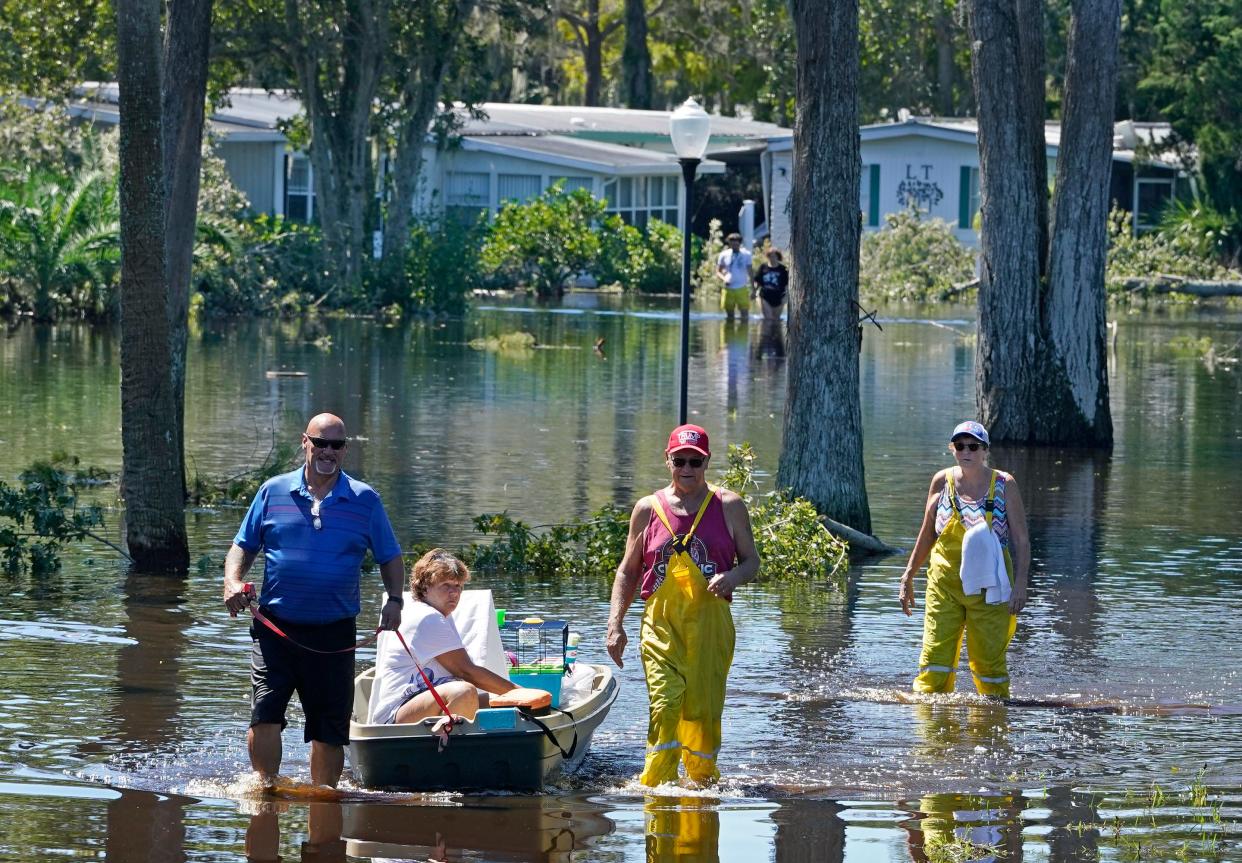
151 482
186 46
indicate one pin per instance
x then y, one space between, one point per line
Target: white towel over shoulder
983 565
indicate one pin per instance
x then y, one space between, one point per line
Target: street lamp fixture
690 127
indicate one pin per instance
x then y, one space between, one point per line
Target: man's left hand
390 616
722 585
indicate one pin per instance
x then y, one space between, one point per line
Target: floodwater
123 700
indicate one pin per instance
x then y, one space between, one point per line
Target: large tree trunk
186 47
430 51
1040 363
1075 402
593 57
338 60
1006 360
821 455
151 481
636 57
1031 71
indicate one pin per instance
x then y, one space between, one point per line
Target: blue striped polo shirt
312 576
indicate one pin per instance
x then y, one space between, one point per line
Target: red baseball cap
689 437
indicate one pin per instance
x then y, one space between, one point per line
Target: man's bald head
326 425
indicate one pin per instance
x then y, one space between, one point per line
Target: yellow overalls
686 644
949 613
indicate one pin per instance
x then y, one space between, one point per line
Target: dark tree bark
590 35
1041 373
151 481
1075 403
426 49
636 57
1031 76
1006 360
945 67
186 46
821 455
337 54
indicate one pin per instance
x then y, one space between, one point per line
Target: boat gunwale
556 719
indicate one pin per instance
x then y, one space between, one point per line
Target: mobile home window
518 187
299 189
637 200
572 183
466 195
1151 196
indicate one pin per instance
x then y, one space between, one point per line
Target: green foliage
518 342
60 242
269 266
1213 234
442 267
644 261
43 514
1173 252
1193 78
545 242
48 46
790 538
703 279
913 259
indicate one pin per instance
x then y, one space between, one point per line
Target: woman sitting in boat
436 581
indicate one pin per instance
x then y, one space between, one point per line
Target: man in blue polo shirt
314 525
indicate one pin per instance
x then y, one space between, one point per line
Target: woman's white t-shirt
429 634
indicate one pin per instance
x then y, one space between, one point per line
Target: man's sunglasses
959 446
678 461
324 443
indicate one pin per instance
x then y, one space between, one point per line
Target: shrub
703 279
645 261
544 242
913 259
269 266
442 266
1213 234
1171 252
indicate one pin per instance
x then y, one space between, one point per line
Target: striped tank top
974 511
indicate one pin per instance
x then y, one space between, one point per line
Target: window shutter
963 198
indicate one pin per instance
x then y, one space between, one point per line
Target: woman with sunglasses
973 506
690 546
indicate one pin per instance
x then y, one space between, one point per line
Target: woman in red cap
974 529
690 546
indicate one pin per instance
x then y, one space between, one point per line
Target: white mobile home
933 164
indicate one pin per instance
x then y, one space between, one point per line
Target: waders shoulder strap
679 542
989 505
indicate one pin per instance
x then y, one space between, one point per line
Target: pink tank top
711 548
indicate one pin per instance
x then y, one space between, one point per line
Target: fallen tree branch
860 542
1169 284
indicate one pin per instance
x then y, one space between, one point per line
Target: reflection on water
124 700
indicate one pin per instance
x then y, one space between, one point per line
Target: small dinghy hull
503 749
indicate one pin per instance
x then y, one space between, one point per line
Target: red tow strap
266 621
258 615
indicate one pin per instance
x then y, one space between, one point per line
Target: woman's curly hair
435 566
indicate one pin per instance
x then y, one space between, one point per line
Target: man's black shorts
324 683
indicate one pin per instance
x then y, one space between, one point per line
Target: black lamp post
690 128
